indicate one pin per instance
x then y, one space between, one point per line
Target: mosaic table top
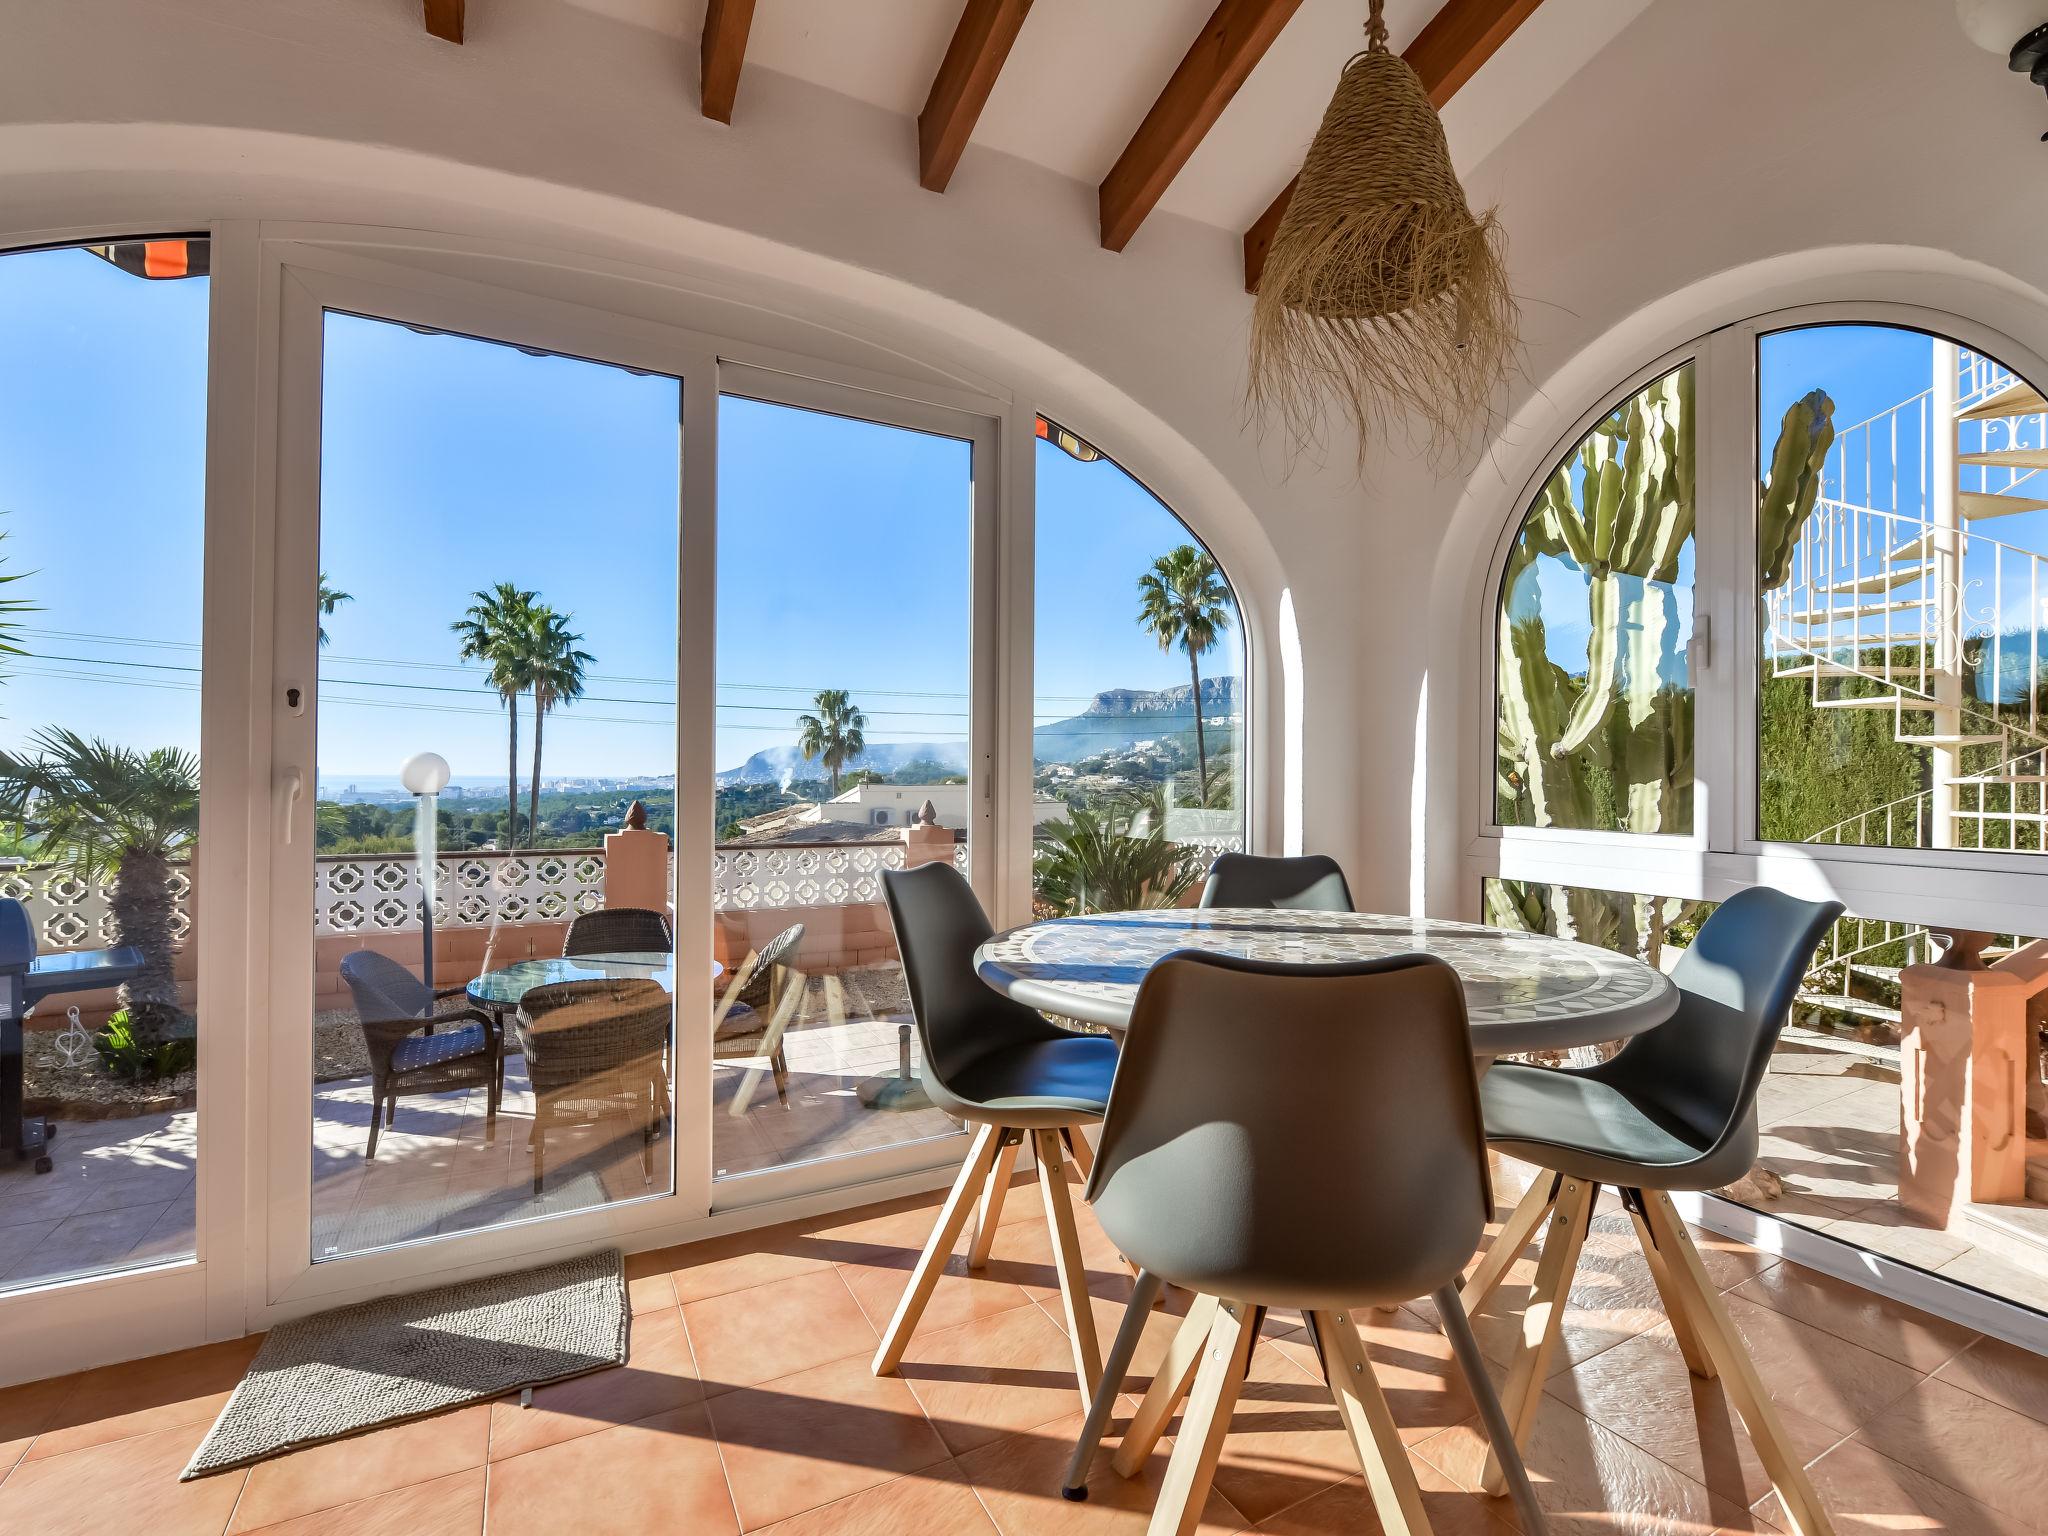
1523 991
503 988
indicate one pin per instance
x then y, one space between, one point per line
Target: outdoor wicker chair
757 1010
619 931
411 1050
595 1050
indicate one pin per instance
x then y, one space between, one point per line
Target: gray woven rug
404 1357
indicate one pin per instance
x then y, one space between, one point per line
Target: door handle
292 785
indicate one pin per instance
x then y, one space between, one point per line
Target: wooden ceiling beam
981 44
444 19
1233 39
724 49
1463 35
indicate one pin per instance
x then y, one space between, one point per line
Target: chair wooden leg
1082 1155
1803 1512
1170 1384
989 1214
1515 1235
1697 1360
1066 1258
1118 1366
1543 1318
1396 1497
937 1248
1192 1467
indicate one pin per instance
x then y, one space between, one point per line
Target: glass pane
1903 532
1594 702
1138 787
103 484
497 590
844 578
1873 1030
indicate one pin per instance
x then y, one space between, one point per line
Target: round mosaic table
1523 992
501 989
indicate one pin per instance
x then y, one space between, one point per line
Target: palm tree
1113 859
835 735
1183 600
497 630
110 813
329 599
557 668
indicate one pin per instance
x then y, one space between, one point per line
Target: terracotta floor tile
447 1506
347 1470
1424 1387
1840 1384
1992 1454
659 1376
1286 1442
2014 1377
934 1502
1160 1325
1866 1494
877 1281
740 1262
113 1402
1023 1253
649 1285
659 1475
816 1436
1347 1510
25 1411
1643 1392
991 1377
1590 1479
1019 1476
1891 1328
772 1330
120 1486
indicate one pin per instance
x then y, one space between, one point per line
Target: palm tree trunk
1201 749
143 915
512 773
540 715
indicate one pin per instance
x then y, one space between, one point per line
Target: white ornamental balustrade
70 913
380 893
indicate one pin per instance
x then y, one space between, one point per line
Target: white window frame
1965 888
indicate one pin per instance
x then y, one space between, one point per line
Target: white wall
1713 162
565 135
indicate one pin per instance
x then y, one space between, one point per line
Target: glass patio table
1523 991
502 989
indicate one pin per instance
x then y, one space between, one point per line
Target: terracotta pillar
636 864
1963 1060
925 841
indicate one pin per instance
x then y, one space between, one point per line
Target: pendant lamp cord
1376 27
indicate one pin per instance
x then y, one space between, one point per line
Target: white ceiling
1083 74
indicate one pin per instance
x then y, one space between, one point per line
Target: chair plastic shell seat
1578 1125
1038 1084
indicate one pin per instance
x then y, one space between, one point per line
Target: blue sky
450 464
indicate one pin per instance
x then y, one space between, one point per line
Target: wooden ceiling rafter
980 46
722 52
1232 41
1459 38
444 19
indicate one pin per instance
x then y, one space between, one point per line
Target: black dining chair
1674 1109
1226 1169
1008 1073
1312 883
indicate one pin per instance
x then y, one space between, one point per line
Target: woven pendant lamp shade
1382 296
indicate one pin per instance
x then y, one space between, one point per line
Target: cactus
1784 501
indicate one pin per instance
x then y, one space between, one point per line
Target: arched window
1138 742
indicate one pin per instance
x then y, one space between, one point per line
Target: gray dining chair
1227 1169
1010 1074
1311 883
1673 1110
